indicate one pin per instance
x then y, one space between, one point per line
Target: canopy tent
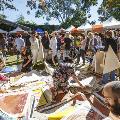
39 30
70 28
85 27
18 29
2 31
111 23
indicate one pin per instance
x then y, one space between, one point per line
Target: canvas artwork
110 59
99 57
85 112
16 105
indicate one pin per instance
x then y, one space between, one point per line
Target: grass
12 60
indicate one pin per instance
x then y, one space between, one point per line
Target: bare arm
29 60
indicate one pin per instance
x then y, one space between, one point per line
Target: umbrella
39 30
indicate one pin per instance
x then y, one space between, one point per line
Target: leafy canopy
65 11
109 8
5 4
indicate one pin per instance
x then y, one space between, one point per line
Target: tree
3 16
109 8
5 4
21 20
63 10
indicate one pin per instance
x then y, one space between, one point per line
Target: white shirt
53 43
83 44
19 42
34 43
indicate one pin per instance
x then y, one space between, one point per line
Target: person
82 49
3 61
53 46
61 76
99 42
58 47
27 60
3 45
118 44
67 45
19 43
111 92
45 42
1 64
34 47
27 41
109 41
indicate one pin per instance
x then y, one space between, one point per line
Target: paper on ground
88 81
85 112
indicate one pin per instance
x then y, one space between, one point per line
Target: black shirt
58 43
67 42
26 57
45 42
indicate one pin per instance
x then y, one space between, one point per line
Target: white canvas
111 61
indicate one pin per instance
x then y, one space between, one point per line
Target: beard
115 109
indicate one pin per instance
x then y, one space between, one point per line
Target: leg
34 54
112 76
58 56
83 56
105 78
64 54
18 56
78 57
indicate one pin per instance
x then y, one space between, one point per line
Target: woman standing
53 46
34 47
82 49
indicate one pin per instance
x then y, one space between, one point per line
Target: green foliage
5 4
21 20
65 11
109 8
3 16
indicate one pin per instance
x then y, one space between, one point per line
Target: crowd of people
59 48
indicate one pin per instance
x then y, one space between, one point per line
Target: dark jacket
112 42
45 42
